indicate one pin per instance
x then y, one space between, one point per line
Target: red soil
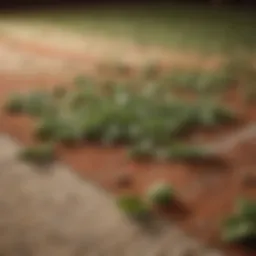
206 192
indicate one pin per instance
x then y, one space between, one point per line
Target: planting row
150 120
235 71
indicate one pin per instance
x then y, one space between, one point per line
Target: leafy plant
69 132
241 225
142 151
60 128
38 103
210 113
40 154
180 151
148 119
15 104
46 128
133 206
160 194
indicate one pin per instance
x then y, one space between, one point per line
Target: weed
210 113
241 225
40 154
65 129
160 194
142 151
69 132
46 128
38 103
181 151
133 206
15 104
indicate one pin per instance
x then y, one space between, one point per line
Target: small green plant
15 104
240 227
180 151
210 113
46 128
69 132
133 206
58 128
38 103
39 154
142 151
161 194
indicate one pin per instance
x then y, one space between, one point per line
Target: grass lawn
204 29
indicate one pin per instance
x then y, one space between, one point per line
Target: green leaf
133 206
236 229
160 194
15 104
38 103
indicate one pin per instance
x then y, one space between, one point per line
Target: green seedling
210 113
187 152
15 104
46 128
161 194
142 151
133 206
240 227
40 154
69 132
38 103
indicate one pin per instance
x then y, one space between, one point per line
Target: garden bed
206 185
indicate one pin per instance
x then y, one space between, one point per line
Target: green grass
200 28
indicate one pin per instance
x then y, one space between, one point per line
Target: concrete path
53 212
